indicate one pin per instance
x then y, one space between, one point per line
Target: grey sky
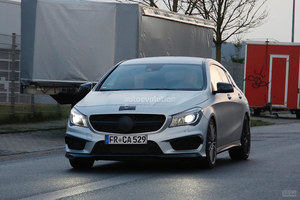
278 25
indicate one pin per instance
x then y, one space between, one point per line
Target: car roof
167 59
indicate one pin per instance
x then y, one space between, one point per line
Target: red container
272 76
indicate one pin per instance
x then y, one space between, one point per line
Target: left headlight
189 117
78 119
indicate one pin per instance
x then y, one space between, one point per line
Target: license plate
126 139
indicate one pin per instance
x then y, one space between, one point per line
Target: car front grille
151 148
127 123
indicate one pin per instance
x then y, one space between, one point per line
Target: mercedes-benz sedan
160 107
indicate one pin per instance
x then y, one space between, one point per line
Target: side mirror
224 88
85 88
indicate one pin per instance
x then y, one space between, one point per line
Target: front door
278 80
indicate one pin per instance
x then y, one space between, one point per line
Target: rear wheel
79 163
298 114
242 152
211 146
256 112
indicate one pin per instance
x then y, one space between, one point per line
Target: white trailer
66 43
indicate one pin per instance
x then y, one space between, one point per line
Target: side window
230 79
226 77
223 75
215 76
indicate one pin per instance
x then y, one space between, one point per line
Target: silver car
160 107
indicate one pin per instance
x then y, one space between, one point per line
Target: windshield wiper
109 89
159 89
142 89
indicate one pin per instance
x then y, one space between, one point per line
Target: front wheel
77 163
242 152
211 146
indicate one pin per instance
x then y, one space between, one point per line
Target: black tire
81 163
257 112
209 161
298 114
242 152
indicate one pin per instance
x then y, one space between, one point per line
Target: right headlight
189 117
78 119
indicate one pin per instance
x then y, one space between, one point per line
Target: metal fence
237 72
13 104
10 47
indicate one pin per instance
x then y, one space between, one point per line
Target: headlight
78 119
189 117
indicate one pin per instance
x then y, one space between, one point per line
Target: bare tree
231 17
171 5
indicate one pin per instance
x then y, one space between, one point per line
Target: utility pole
293 21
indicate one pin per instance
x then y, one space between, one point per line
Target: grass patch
260 123
41 112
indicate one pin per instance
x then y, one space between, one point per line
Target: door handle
240 96
228 96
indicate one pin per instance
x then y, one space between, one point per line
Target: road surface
272 172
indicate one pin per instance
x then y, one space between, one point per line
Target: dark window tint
156 77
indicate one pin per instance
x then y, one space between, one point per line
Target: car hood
144 101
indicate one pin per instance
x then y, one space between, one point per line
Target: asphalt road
272 172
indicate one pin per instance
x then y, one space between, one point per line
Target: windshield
155 77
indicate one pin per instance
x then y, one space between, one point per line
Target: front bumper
167 143
121 157
75 149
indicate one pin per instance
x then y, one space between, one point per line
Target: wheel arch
248 115
213 117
